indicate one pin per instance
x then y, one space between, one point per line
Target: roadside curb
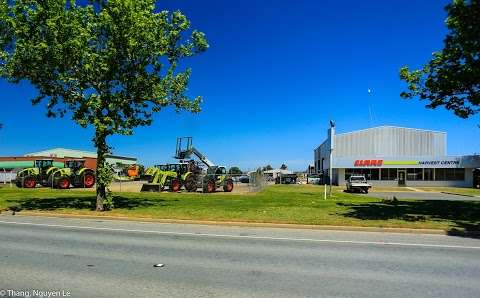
238 223
458 194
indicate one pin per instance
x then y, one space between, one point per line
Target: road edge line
239 223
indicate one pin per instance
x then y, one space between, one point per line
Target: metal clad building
390 141
391 155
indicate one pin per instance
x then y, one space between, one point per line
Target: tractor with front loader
208 180
161 176
73 174
38 174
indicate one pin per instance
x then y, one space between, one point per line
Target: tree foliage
111 64
235 171
452 78
267 168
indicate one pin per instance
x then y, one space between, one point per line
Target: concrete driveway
421 195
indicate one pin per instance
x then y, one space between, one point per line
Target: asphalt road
93 258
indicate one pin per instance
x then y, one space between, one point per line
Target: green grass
297 204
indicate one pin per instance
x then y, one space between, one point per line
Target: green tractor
39 173
215 177
195 177
160 176
75 173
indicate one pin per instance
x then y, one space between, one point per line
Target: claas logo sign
368 162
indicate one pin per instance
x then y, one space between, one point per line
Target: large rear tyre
209 186
228 186
88 180
175 185
29 182
63 183
190 184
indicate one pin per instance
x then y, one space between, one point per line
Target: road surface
94 258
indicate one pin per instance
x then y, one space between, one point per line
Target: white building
389 155
276 173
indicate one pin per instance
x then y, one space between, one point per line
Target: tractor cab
178 168
75 164
216 171
162 167
43 165
194 167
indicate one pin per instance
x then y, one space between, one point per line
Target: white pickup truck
358 183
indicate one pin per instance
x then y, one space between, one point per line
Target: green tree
283 167
141 170
267 168
111 64
235 171
452 78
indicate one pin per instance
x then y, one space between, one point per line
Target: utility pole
331 135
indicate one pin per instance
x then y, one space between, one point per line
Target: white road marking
380 243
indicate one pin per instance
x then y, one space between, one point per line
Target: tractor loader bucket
151 187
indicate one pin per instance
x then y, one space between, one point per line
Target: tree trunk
102 150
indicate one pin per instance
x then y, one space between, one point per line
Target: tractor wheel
63 183
88 180
29 182
209 186
228 186
190 184
175 185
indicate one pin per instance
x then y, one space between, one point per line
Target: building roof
390 126
275 171
387 141
64 152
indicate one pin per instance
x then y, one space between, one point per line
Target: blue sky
275 73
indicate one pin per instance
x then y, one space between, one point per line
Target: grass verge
295 204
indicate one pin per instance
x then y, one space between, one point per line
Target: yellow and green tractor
161 176
38 173
73 174
208 180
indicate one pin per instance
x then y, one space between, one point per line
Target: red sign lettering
368 163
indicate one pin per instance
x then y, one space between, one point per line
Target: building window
449 174
459 174
414 174
389 174
374 174
428 174
455 174
439 174
370 174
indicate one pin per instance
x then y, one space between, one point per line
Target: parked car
244 179
358 184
